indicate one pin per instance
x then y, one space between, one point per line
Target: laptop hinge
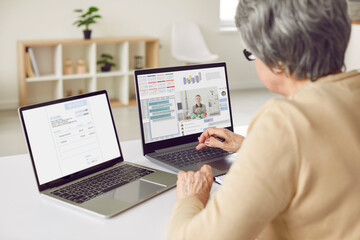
175 148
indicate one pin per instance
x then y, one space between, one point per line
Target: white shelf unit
52 83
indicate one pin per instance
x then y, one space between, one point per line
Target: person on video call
296 175
199 109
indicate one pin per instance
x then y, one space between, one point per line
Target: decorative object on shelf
81 67
80 91
28 67
68 93
139 62
106 62
68 67
86 19
33 62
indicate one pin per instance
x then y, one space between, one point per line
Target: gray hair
302 37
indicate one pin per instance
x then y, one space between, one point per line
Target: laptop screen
69 136
183 101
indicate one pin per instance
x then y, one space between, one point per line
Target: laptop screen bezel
152 147
79 174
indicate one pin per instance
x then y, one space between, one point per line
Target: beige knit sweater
297 175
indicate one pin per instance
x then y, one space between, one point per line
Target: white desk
25 214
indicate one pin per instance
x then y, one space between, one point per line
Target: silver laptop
176 105
77 158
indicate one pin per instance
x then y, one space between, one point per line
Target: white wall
50 19
352 56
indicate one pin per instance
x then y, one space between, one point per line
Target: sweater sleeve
258 186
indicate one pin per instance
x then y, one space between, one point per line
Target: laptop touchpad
135 191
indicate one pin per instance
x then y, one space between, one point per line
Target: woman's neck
293 86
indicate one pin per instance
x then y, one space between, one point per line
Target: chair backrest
187 40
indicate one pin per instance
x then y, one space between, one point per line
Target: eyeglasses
249 56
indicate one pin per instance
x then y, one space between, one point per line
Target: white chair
188 44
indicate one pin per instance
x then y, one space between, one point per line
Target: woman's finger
210 131
213 142
206 169
201 146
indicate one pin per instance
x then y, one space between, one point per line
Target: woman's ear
277 70
281 69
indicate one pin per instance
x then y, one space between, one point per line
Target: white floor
245 103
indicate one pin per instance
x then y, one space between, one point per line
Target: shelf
77 76
43 78
56 57
110 74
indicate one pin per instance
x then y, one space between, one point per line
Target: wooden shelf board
116 103
43 78
77 76
34 43
356 22
110 74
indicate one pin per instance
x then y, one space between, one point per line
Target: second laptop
176 105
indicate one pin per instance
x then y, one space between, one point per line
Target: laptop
176 105
76 156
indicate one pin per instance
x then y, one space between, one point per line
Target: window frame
226 23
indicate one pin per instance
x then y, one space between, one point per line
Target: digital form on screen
180 103
68 137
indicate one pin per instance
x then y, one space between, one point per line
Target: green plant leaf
77 22
93 9
90 21
101 62
80 24
105 60
105 55
86 18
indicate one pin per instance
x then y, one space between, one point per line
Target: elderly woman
297 174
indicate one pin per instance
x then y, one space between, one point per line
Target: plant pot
106 68
87 34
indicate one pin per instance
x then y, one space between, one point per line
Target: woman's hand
196 184
232 141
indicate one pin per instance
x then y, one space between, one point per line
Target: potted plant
86 19
106 62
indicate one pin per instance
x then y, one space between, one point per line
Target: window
227 14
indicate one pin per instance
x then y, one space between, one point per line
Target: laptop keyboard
191 156
91 187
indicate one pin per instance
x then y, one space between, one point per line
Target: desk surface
26 214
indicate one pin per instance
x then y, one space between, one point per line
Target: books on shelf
33 62
28 66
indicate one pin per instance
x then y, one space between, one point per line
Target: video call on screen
180 103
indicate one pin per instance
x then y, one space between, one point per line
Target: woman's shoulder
334 97
276 110
328 87
278 106
283 113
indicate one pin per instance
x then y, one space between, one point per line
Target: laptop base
219 165
122 198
